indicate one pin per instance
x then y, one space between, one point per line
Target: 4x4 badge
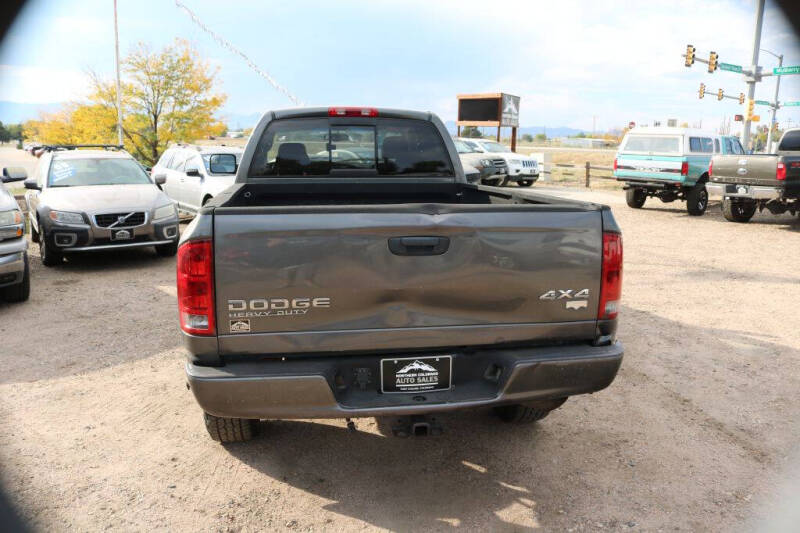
574 299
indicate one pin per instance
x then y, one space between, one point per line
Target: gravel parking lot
700 430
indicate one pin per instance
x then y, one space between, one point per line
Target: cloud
29 84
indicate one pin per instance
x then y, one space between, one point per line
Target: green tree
5 136
541 137
471 131
527 138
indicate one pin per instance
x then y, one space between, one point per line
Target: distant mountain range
13 112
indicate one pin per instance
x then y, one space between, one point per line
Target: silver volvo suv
86 200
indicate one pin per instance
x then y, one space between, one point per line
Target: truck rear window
653 143
790 142
314 147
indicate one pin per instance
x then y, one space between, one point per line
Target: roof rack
57 147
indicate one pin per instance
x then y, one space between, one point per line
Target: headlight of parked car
65 217
486 162
11 224
516 161
164 211
9 218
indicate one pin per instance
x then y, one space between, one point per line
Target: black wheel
635 197
167 250
697 200
525 183
21 291
504 182
49 256
229 429
530 412
738 210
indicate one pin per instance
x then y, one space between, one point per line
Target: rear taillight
711 169
780 173
685 168
352 112
611 284
615 164
196 287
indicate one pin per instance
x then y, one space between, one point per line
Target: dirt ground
698 433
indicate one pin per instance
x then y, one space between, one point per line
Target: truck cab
670 164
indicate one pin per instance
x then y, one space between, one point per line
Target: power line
222 42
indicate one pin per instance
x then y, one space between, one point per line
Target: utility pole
774 103
754 74
119 90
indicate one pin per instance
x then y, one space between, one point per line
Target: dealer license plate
416 374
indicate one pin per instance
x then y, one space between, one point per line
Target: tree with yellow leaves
167 96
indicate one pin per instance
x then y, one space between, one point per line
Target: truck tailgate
342 277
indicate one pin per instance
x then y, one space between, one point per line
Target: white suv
192 175
521 168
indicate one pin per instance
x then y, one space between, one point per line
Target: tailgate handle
419 245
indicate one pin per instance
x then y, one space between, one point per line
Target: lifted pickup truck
760 181
383 284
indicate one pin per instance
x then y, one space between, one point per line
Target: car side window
694 144
707 144
196 162
727 144
737 147
701 144
177 161
166 159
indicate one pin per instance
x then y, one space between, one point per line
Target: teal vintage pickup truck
670 164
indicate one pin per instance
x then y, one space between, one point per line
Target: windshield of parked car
494 147
96 171
384 147
653 143
464 148
231 168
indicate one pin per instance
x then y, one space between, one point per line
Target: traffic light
720 94
702 91
748 112
712 62
689 55
741 98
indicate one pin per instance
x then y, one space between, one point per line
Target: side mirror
192 171
222 164
13 174
30 183
160 179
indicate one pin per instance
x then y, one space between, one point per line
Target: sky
574 63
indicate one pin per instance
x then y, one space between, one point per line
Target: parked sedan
15 285
492 171
193 175
87 200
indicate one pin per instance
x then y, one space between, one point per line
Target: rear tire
227 430
525 183
738 211
525 414
697 200
21 291
635 197
50 257
167 250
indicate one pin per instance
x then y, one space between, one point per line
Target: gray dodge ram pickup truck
378 282
747 183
